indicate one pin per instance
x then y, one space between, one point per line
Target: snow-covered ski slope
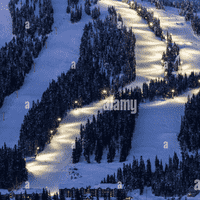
5 23
182 34
62 49
157 122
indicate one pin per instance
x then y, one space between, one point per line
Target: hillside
158 121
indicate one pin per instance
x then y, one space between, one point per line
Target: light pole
146 192
173 93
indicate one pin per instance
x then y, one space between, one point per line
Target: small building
192 192
101 190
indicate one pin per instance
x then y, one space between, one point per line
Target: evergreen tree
148 173
119 174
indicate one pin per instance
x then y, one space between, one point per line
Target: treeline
101 42
16 58
153 22
189 135
76 13
42 24
34 196
174 180
13 170
160 4
112 129
189 12
174 86
95 12
171 58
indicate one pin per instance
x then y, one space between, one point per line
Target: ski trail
149 48
182 34
50 168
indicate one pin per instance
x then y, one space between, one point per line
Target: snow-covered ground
62 49
5 23
147 194
158 121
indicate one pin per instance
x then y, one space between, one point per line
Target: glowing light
51 131
38 147
104 91
151 23
59 119
172 90
199 80
46 157
76 102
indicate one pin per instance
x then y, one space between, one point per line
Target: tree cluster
95 13
87 7
174 180
112 11
160 4
189 135
75 15
172 87
171 58
13 170
42 24
16 57
72 2
112 129
186 8
153 22
98 45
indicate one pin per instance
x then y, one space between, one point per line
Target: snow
5 23
158 121
147 194
3 191
28 191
